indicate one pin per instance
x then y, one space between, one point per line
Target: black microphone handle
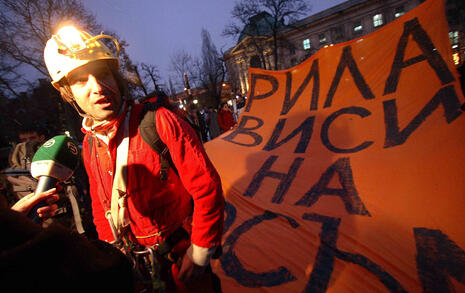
45 183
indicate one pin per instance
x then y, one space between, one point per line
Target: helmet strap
79 110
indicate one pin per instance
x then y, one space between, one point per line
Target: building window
322 38
454 37
338 33
378 20
306 44
357 27
399 12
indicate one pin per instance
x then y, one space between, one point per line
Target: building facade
343 22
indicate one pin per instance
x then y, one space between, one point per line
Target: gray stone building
343 22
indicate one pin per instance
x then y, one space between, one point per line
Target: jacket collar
106 129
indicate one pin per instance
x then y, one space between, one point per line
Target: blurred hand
25 204
189 271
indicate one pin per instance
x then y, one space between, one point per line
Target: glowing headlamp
73 41
70 38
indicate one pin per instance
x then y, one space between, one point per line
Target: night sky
155 29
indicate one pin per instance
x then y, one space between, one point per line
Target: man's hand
25 204
189 271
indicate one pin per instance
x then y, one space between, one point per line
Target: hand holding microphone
25 204
54 162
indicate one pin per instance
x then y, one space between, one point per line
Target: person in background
202 125
30 139
20 157
173 216
225 117
213 125
31 133
240 105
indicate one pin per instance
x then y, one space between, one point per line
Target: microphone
55 161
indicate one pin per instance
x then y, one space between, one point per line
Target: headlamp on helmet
71 48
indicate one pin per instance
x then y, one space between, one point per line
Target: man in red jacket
133 205
225 118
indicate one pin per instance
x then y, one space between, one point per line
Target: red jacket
225 120
156 207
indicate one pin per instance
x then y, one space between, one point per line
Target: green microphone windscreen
58 157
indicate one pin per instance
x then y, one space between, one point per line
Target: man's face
95 90
30 136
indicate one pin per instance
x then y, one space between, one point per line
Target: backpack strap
149 133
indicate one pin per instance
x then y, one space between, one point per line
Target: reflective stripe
148 236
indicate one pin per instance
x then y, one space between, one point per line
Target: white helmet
71 48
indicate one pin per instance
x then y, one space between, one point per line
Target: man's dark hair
33 128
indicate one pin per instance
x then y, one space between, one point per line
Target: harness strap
166 246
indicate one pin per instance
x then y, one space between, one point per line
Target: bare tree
9 77
170 88
182 62
234 81
151 76
274 14
25 27
212 70
207 72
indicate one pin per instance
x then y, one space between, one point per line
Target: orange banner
346 173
